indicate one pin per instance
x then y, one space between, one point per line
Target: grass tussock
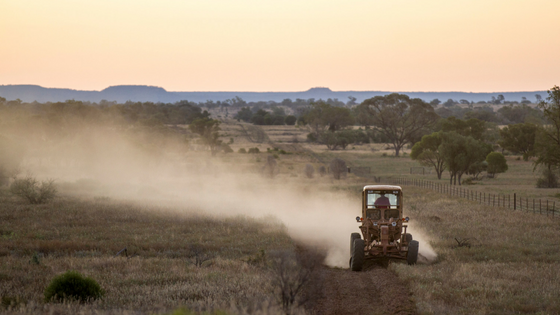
510 265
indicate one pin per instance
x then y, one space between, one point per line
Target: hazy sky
282 45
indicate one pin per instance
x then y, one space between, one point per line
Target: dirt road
373 291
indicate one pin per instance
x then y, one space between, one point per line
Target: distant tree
208 129
524 100
259 117
351 101
244 114
473 127
287 102
520 114
322 116
290 120
482 114
449 103
435 102
496 163
538 97
464 102
338 168
427 153
399 117
519 138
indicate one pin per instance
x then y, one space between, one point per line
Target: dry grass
38 242
511 266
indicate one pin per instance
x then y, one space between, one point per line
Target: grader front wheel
353 237
358 255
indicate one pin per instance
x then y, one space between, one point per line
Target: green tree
290 120
461 153
244 114
399 117
519 138
496 163
208 129
547 145
469 128
427 153
322 116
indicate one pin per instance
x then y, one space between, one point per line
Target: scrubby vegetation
72 285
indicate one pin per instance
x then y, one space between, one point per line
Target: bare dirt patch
376 290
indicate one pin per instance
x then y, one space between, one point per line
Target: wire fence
510 201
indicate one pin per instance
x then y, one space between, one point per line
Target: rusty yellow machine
383 228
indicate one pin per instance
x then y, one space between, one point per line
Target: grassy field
160 273
510 265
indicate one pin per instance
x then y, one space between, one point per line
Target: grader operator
383 228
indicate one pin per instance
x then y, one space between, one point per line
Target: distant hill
143 93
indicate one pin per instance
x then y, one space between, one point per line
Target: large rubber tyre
358 255
408 237
412 256
353 237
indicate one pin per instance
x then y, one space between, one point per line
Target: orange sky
288 45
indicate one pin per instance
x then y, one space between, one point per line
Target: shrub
548 180
322 171
271 167
34 191
290 120
226 148
309 170
338 168
254 150
496 163
242 150
72 285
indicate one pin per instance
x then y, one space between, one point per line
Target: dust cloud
98 161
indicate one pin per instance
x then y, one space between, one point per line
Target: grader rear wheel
412 256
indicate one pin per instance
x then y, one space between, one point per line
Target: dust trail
99 161
426 254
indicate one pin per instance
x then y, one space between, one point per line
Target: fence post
514 202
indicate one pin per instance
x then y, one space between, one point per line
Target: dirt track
373 291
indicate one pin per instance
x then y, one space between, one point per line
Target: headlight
394 224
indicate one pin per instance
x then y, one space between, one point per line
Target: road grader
383 228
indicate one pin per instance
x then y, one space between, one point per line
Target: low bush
254 150
34 191
73 286
549 179
242 150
